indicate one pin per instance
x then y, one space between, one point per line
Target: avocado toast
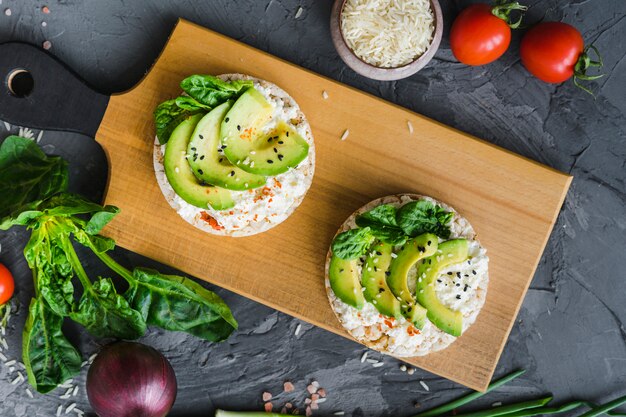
406 276
247 163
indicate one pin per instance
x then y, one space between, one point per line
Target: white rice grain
423 384
410 126
59 410
345 134
70 408
297 332
299 12
364 357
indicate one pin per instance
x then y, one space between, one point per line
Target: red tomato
477 37
550 51
6 284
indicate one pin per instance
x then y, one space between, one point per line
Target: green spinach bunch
392 225
203 93
34 190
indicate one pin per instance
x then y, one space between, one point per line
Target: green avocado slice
254 151
208 161
345 281
374 280
449 253
181 177
411 252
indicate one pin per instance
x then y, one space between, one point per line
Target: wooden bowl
379 73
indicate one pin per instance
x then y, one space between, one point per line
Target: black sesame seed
269 161
341 270
201 137
200 172
375 269
195 156
409 309
224 146
430 262
458 285
458 275
275 150
466 287
381 290
378 253
402 248
238 127
473 272
221 159
193 149
465 275
226 120
449 273
421 249
439 281
269 140
387 273
287 133
232 173
275 137
280 157
458 297
280 142
201 157
429 243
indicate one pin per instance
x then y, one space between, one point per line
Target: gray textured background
569 334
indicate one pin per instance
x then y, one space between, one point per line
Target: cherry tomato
551 50
477 37
6 284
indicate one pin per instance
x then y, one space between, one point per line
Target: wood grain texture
512 202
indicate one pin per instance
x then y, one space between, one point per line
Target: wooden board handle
40 92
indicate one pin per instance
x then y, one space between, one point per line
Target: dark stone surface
570 333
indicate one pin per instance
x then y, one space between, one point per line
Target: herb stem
72 257
113 265
507 410
444 408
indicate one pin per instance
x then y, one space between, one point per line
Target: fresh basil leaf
105 313
167 117
27 177
352 243
49 358
212 91
179 304
190 103
422 216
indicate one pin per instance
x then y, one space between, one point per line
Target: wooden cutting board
512 202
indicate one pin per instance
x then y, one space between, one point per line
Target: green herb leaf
100 219
212 91
49 358
418 217
179 304
27 176
352 243
190 103
167 116
382 222
105 313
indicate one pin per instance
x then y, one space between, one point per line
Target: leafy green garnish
57 220
204 92
418 217
352 243
27 176
212 91
382 222
49 358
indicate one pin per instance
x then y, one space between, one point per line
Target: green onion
507 409
547 410
223 413
605 407
470 397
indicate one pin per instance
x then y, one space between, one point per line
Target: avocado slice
374 280
246 145
208 162
181 177
411 252
449 253
345 281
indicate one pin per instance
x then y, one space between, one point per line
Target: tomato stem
583 64
502 10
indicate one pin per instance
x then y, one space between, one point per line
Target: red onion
131 380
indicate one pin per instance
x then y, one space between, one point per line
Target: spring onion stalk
530 412
602 409
511 408
442 409
223 413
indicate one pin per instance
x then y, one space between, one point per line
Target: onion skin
131 380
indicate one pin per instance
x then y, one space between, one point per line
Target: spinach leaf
352 243
212 91
382 222
49 358
190 103
179 304
167 116
422 216
105 313
27 176
100 219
